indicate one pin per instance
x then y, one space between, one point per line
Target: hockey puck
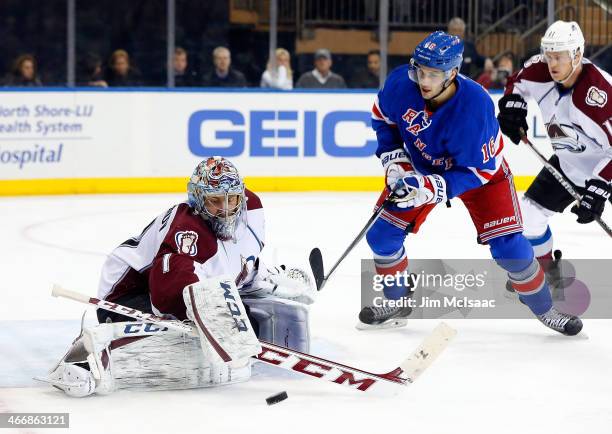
274 399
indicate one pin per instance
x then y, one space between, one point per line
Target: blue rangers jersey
460 141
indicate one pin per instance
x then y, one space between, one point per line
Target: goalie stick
389 383
562 179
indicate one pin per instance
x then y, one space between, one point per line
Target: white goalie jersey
178 249
578 120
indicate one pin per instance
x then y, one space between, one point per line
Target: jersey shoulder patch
190 235
592 93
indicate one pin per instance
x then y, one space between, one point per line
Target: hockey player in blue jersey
438 138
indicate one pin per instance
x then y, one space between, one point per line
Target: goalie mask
216 192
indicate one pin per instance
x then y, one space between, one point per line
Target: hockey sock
542 244
395 265
531 286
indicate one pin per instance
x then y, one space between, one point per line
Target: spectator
23 72
485 79
505 68
184 76
92 70
120 71
370 78
497 77
473 62
223 75
321 77
278 74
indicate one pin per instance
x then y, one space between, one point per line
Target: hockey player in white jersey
199 261
572 94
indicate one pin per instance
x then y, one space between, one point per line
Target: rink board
59 141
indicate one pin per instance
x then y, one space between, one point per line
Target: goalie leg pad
171 360
133 355
281 322
87 367
215 307
74 380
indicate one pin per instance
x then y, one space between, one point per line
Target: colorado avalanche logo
596 97
417 121
563 137
244 269
186 242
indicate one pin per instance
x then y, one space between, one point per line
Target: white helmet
563 36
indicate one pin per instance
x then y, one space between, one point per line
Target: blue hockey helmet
439 50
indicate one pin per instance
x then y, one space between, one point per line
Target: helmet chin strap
447 82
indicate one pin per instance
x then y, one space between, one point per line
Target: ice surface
511 376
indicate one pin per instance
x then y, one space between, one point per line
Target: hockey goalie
199 262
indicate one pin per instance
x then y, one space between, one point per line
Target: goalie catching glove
279 281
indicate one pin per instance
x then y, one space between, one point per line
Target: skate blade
389 324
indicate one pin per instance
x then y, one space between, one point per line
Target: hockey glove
397 165
415 190
288 283
593 201
512 116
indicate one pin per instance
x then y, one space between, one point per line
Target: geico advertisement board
106 134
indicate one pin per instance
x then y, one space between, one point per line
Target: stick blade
425 354
316 264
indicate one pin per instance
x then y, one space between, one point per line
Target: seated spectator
92 71
223 75
485 79
369 78
278 75
23 72
321 77
473 63
497 77
184 76
120 72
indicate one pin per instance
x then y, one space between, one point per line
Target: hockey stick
306 364
316 258
562 179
